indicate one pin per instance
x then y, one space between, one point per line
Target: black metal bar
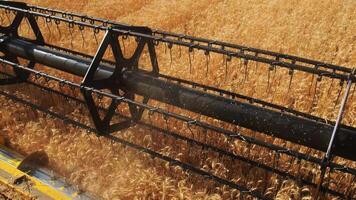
329 151
305 130
169 133
93 20
308 158
103 125
338 121
296 129
215 90
342 74
278 149
155 154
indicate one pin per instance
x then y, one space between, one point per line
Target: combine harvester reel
123 82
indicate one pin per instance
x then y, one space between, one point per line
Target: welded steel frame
175 94
293 66
111 39
175 162
13 31
231 50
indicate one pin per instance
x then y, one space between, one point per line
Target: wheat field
321 30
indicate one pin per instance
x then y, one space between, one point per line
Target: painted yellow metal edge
16 189
38 185
15 162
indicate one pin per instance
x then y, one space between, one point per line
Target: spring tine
311 84
248 150
204 154
193 54
83 39
71 34
189 128
165 48
245 70
339 93
180 51
170 45
279 80
268 77
274 73
271 68
273 83
241 63
223 60
275 159
165 117
95 32
207 56
48 28
315 100
98 137
228 59
223 64
81 29
331 85
190 50
57 22
291 74
242 78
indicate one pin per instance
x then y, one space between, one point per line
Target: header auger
123 81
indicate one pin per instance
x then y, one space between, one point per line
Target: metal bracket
328 154
113 82
133 62
13 31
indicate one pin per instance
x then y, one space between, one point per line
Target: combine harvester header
31 180
122 80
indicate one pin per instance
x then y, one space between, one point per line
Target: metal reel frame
113 82
13 31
